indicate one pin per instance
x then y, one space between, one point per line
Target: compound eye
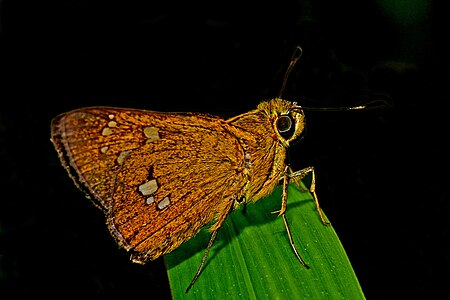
284 123
285 126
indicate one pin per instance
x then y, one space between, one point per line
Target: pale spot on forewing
151 133
148 188
107 131
164 203
104 149
111 116
112 123
122 156
150 200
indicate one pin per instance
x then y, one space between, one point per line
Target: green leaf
253 259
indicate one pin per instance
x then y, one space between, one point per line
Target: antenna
295 57
375 104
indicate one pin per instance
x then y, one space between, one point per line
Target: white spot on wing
150 200
112 123
164 203
148 188
104 149
107 131
151 133
122 156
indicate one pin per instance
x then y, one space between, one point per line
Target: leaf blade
252 257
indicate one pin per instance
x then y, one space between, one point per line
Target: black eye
284 123
285 126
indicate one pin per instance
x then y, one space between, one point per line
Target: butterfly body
161 177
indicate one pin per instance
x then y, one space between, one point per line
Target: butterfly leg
281 213
297 176
214 229
298 183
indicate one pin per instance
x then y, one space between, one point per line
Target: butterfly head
288 119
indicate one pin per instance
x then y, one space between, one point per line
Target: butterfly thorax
265 134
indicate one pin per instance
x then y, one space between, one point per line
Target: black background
381 174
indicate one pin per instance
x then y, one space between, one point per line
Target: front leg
299 175
288 176
282 211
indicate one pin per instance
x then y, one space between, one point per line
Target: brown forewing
159 177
